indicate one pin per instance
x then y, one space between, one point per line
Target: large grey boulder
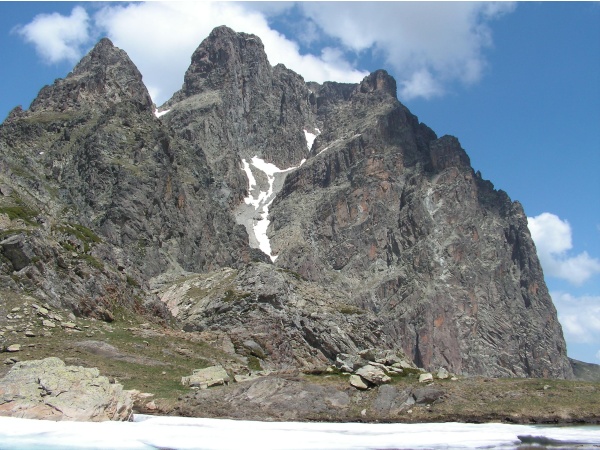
349 363
373 374
49 389
358 382
205 378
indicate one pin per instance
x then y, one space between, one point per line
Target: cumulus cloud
57 37
579 316
552 237
160 38
428 45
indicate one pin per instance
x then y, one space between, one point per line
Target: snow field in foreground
150 432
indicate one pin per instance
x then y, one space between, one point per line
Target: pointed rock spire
103 77
224 58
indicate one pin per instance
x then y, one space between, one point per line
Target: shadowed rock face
234 105
385 237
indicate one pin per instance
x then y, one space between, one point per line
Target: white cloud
579 316
552 237
420 84
57 37
598 355
428 44
160 38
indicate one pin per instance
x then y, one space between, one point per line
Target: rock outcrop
48 389
295 220
208 377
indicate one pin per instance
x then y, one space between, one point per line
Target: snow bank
261 199
160 114
151 432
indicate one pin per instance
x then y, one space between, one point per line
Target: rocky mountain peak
105 76
379 233
224 58
379 80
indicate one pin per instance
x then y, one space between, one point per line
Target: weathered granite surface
50 390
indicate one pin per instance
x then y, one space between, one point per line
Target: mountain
287 221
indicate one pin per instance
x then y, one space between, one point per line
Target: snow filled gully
254 212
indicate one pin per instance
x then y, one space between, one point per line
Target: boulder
425 378
374 375
442 374
393 358
205 378
13 348
426 395
14 249
349 363
358 382
48 389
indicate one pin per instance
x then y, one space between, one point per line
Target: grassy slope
153 359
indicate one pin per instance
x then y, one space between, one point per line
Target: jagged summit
309 219
226 58
104 77
379 80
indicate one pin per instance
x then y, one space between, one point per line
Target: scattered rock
426 395
349 363
240 378
358 382
13 348
151 406
205 378
394 358
48 323
374 375
425 378
442 374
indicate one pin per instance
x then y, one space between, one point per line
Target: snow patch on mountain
161 113
260 196
310 138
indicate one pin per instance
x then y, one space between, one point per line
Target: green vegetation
84 234
44 118
11 232
92 261
68 247
20 212
232 295
347 309
131 282
145 357
254 363
296 275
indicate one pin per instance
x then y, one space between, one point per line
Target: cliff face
380 233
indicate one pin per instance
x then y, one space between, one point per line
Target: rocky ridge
380 234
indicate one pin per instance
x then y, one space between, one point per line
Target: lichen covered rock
49 389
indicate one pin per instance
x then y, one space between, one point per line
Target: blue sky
518 84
